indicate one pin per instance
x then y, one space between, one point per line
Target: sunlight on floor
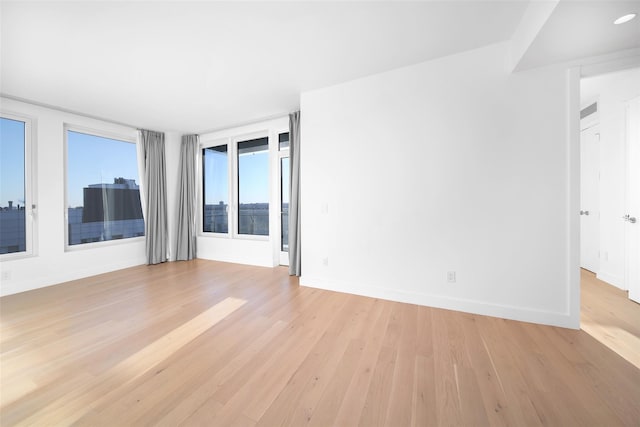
609 316
114 380
619 340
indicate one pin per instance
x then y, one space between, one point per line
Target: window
253 187
16 204
103 198
215 185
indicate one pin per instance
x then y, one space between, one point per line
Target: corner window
16 203
103 197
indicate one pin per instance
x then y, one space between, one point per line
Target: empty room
320 213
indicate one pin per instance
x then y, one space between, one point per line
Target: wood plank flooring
215 344
608 315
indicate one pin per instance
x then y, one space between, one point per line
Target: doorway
590 192
632 199
610 177
609 210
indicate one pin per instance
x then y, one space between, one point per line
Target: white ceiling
579 29
192 67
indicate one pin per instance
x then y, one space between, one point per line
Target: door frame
630 283
595 67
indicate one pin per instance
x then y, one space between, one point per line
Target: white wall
50 263
245 249
612 91
448 165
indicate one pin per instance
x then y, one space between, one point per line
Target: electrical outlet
325 261
6 275
451 276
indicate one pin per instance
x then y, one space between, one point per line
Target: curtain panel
186 228
154 193
294 186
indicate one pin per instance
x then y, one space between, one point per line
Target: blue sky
254 177
11 162
216 177
95 160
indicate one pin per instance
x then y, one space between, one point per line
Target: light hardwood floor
207 343
611 317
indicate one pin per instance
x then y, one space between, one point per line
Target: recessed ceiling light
625 18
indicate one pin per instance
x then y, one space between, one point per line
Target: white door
632 200
589 198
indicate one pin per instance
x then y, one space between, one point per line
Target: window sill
103 244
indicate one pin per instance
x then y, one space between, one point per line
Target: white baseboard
238 260
44 281
468 306
611 279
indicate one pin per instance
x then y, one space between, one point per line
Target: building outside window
235 187
215 185
103 198
253 187
16 204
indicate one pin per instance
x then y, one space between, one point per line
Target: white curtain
151 161
186 227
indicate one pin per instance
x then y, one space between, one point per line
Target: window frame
131 137
31 206
211 143
236 177
233 182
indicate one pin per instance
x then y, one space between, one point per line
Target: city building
109 212
12 228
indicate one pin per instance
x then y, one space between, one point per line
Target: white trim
589 68
126 135
523 314
264 133
234 185
611 279
630 279
30 179
94 245
38 279
573 197
210 143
